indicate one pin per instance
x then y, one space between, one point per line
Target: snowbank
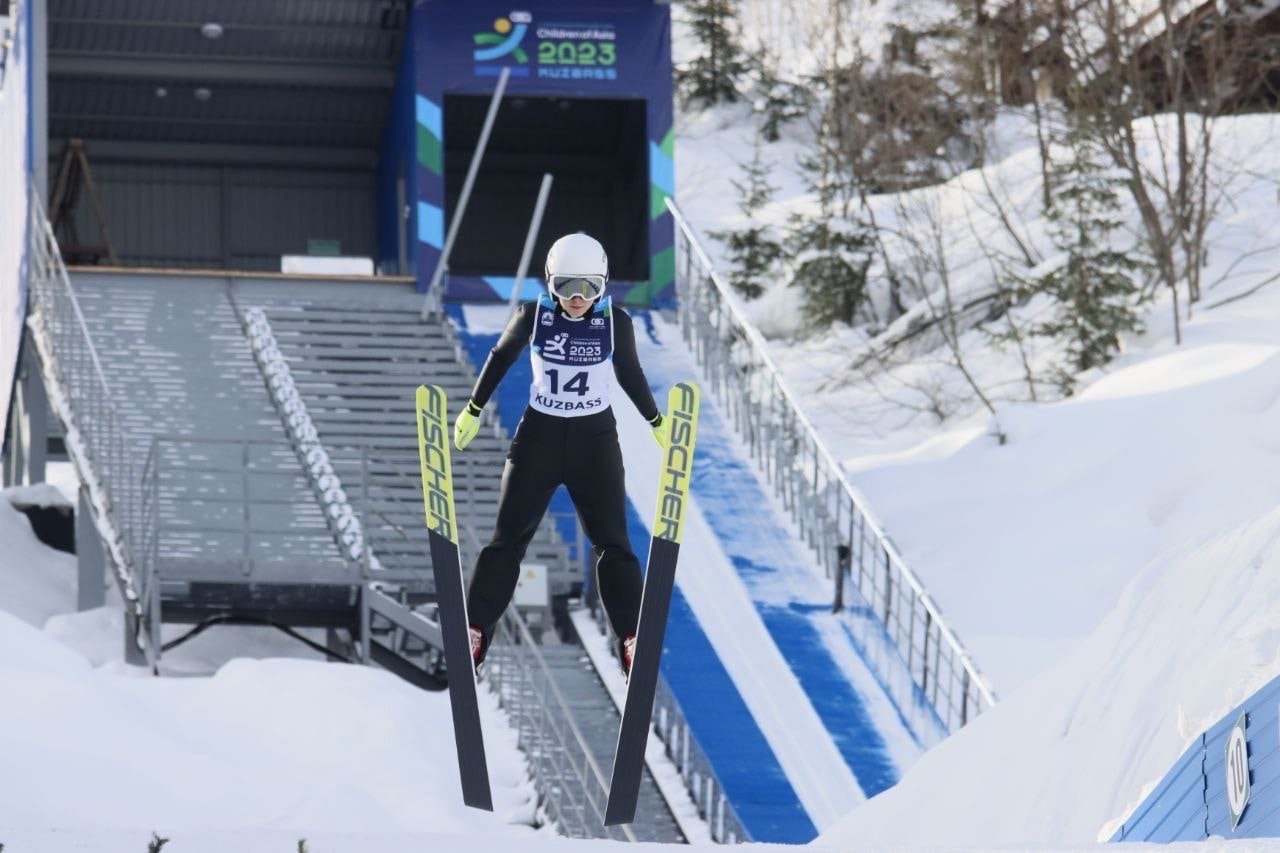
1064 759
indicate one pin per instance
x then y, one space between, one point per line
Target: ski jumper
567 436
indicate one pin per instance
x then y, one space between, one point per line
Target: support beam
15 461
133 655
104 66
230 26
91 559
35 409
110 150
435 299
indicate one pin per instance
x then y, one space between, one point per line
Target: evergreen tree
753 250
714 74
833 250
773 98
1094 283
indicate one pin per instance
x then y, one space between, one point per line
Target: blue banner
600 50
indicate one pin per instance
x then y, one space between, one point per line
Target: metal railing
82 399
224 478
812 486
232 501
375 501
695 769
373 497
575 787
343 523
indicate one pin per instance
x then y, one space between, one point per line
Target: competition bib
572 360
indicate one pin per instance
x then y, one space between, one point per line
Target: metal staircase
356 364
228 524
208 511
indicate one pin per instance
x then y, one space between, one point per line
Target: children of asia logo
505 39
568 51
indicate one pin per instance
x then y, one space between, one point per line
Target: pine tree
833 250
753 250
774 99
714 74
1094 283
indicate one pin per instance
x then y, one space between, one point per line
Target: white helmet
577 266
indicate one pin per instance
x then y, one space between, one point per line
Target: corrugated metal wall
1191 802
226 217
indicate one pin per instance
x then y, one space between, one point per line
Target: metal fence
239 503
82 399
680 745
342 521
695 769
242 491
813 488
385 492
574 786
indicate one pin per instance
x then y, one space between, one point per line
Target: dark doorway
596 150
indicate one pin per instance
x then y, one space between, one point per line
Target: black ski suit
581 453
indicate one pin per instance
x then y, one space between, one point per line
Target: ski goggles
568 286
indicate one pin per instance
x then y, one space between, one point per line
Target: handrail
820 497
400 467
343 522
696 771
127 507
228 469
512 636
82 398
577 817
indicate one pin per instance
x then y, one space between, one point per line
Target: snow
953 499
44 495
1192 635
255 749
47 586
1161 472
251 748
1109 565
1112 567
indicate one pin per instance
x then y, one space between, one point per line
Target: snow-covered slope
1158 478
275 746
1180 430
1062 760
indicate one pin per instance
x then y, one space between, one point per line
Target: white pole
434 299
543 192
